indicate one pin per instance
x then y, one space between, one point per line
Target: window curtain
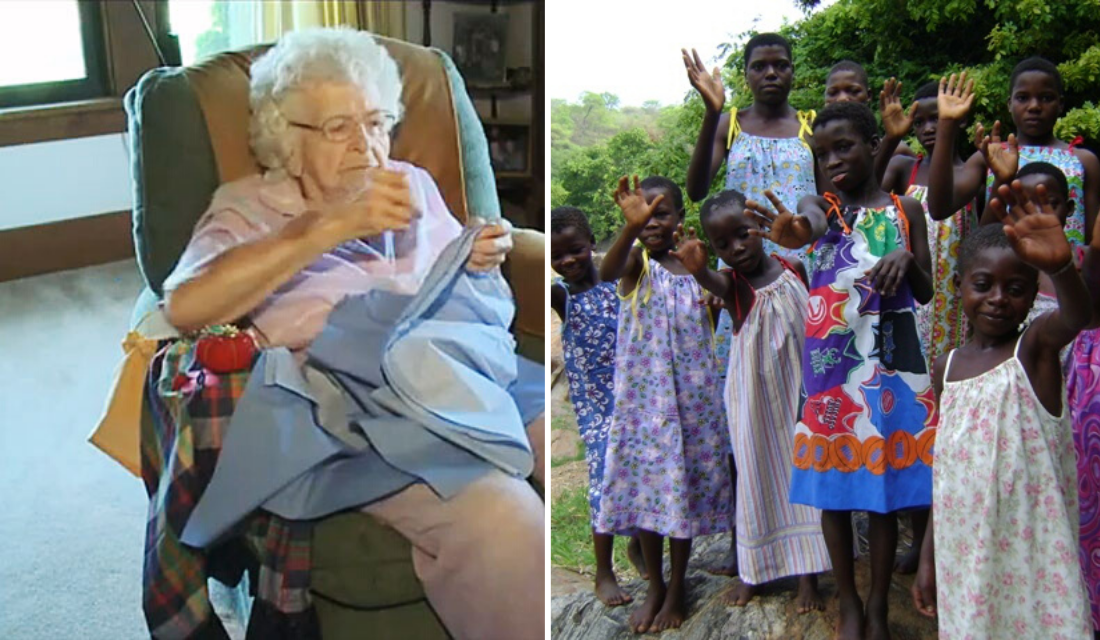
276 17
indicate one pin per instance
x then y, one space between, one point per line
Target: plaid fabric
186 415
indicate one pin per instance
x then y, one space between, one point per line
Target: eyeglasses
342 128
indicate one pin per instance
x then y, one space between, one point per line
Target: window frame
95 83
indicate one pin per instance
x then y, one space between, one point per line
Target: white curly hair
338 54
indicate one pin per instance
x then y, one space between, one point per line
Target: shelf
504 91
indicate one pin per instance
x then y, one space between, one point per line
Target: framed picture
478 48
509 148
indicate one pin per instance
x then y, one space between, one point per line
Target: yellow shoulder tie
805 128
643 279
734 130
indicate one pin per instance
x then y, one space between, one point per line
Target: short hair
928 90
853 67
719 201
988 236
670 187
337 54
765 40
561 218
1036 63
856 113
1045 169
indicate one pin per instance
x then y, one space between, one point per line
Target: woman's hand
1003 158
491 247
1033 230
955 97
636 210
385 204
895 120
889 272
783 228
690 250
709 85
924 589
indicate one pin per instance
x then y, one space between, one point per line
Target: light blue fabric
397 389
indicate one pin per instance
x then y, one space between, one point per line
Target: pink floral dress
1005 507
666 466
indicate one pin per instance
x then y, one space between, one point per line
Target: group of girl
877 350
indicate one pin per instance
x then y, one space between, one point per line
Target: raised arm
710 147
785 228
622 262
949 189
896 123
1002 158
230 286
691 251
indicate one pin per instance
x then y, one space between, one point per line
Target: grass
571 536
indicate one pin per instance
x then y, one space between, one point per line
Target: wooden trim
61 121
63 245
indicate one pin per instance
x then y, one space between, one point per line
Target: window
206 27
50 52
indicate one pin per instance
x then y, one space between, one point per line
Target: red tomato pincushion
225 349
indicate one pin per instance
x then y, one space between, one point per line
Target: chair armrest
525 270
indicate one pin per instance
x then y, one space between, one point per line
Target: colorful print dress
942 323
1067 161
865 438
755 163
588 347
666 468
1005 510
775 538
1083 400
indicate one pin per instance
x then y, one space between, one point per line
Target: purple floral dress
666 468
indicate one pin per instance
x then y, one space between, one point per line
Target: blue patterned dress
755 163
588 334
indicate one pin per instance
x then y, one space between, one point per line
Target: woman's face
339 135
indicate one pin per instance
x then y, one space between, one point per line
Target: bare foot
641 619
634 552
729 567
850 624
739 595
809 598
907 564
608 590
877 626
672 612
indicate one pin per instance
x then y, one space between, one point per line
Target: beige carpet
71 520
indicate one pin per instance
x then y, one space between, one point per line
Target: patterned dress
867 428
1006 513
775 538
755 163
942 323
666 467
1065 160
588 346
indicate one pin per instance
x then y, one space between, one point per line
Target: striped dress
775 538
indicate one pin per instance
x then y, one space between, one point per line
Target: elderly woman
334 218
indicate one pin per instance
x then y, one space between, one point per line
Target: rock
563 444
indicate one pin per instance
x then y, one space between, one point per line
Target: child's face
1057 199
728 231
845 156
571 253
846 86
769 74
1035 104
657 234
925 119
998 290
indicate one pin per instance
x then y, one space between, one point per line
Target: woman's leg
884 544
641 620
907 564
607 587
480 555
536 434
837 529
674 610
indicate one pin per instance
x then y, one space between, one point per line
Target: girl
1005 482
775 539
589 311
1035 103
666 471
867 423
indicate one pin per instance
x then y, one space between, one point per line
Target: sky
632 48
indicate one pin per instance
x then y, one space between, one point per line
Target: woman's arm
896 122
949 189
710 147
622 262
692 253
557 299
785 228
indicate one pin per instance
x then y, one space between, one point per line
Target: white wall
63 179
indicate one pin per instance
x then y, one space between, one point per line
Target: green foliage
571 536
